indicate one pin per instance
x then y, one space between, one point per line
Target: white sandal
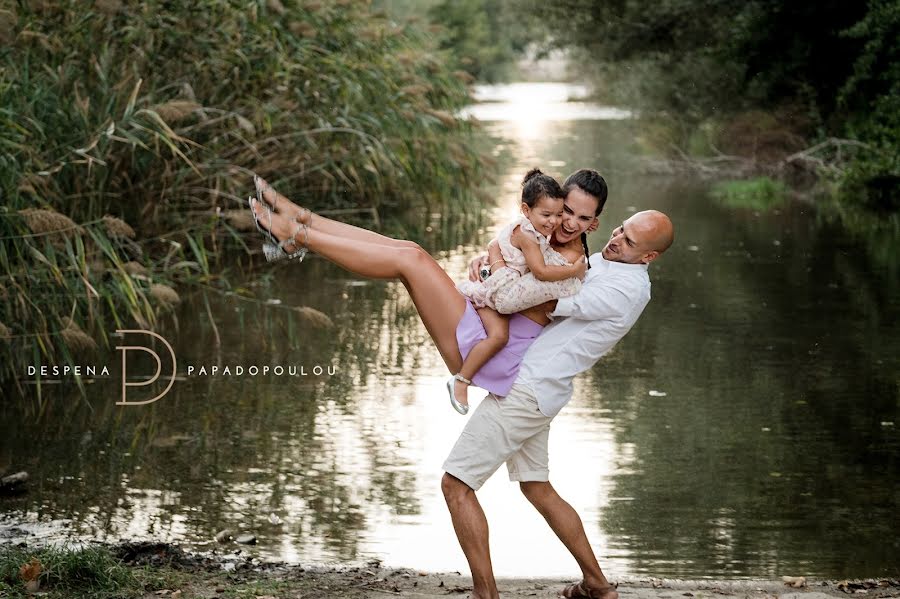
459 407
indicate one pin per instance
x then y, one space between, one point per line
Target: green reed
158 116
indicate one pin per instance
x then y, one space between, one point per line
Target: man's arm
604 299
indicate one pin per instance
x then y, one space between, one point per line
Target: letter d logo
126 384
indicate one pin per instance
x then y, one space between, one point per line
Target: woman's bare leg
439 304
285 206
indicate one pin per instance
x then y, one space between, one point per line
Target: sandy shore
227 575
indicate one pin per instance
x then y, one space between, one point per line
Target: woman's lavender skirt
499 373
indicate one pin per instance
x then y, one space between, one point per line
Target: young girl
525 246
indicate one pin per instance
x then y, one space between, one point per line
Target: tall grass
128 132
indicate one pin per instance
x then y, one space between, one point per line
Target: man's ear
650 257
594 224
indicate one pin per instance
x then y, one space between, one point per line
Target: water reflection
768 446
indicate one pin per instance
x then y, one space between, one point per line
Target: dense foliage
128 133
822 69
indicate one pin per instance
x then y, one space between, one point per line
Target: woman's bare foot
280 203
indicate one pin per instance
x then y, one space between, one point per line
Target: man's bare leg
567 525
471 529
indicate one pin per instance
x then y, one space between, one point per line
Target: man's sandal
579 591
459 407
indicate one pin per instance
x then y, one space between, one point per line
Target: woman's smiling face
578 215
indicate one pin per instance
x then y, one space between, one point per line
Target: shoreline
165 570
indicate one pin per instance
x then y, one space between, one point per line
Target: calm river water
746 427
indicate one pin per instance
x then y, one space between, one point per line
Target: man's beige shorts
510 429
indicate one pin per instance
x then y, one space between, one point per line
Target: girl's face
545 215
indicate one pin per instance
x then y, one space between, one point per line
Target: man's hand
547 307
475 267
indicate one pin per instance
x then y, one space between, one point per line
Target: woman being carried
525 247
450 319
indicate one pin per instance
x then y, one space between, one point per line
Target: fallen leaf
31 570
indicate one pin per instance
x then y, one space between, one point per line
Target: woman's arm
535 261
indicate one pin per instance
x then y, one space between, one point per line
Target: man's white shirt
585 327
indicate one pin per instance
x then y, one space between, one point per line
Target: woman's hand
475 267
581 267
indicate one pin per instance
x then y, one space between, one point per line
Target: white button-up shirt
609 303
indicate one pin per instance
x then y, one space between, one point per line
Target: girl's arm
535 261
515 294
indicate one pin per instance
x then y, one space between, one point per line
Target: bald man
514 429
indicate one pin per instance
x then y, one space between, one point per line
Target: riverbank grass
760 193
86 572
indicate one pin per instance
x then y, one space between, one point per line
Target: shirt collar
598 260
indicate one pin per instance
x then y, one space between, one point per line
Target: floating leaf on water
654 393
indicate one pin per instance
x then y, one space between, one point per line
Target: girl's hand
580 267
